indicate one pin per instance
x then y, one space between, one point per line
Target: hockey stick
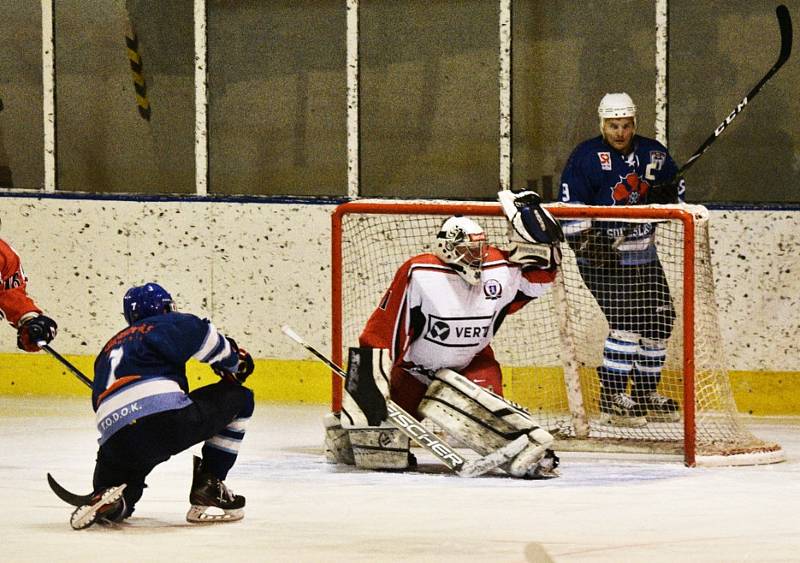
785 24
65 495
409 426
75 371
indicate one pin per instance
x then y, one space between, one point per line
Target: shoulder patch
605 160
658 157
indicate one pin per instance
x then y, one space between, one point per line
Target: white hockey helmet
618 104
461 243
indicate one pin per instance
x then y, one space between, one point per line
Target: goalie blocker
360 435
481 420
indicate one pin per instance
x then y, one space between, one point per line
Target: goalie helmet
146 300
461 243
614 106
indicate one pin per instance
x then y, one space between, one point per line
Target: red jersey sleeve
380 328
14 301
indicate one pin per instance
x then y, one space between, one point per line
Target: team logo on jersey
605 160
439 330
629 190
492 289
658 158
458 332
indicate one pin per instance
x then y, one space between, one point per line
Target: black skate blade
65 495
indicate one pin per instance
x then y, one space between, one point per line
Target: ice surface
300 508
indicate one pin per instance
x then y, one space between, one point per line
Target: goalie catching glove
534 235
244 368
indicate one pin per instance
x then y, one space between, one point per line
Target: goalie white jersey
431 318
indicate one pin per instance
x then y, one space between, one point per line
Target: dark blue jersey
142 369
598 174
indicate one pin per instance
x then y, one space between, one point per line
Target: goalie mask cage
549 351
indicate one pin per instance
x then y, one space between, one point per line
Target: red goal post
549 350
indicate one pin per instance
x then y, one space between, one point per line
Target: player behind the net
428 343
619 261
145 412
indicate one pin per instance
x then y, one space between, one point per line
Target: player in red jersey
16 306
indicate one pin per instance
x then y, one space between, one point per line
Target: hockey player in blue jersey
145 412
619 263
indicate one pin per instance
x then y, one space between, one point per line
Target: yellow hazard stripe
140 87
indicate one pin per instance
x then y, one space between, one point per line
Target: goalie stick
785 24
409 426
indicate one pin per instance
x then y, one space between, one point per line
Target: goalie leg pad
484 421
381 447
337 440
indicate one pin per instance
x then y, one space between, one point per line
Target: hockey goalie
427 346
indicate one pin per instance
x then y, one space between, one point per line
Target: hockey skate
659 408
619 409
208 492
106 505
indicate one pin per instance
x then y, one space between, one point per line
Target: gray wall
429 94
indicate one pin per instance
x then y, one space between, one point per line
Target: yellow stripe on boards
759 393
289 381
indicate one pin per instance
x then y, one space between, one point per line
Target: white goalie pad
485 422
383 447
337 440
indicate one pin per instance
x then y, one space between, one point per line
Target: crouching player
145 412
428 345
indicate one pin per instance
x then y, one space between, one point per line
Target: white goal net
551 350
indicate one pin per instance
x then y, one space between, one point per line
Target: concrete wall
251 267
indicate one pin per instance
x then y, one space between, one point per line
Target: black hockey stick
61 492
75 371
409 426
65 495
785 24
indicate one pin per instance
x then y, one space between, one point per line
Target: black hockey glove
665 192
37 330
596 249
245 367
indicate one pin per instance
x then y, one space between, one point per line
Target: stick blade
286 329
785 24
68 497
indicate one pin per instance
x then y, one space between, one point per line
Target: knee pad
654 343
624 336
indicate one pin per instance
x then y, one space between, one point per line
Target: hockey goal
549 351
